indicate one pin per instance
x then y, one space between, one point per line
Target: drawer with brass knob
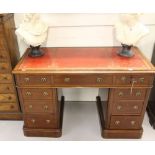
4 67
8 107
125 107
32 80
36 93
6 78
7 88
143 80
38 106
7 98
125 122
129 94
41 121
85 80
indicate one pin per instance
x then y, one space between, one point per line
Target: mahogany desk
129 81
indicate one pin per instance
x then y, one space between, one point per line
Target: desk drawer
40 121
138 80
3 55
82 80
37 106
126 94
8 107
7 98
127 107
6 78
125 122
26 80
4 67
37 93
6 88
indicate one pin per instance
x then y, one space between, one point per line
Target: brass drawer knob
138 93
141 80
30 106
27 79
46 107
48 121
123 78
119 107
5 78
99 79
33 120
120 94
67 79
133 122
28 93
9 97
135 107
45 93
43 79
117 122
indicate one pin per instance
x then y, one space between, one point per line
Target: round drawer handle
5 78
45 93
33 120
135 107
141 80
99 79
120 94
12 106
43 79
123 78
48 121
138 93
67 79
28 93
119 107
133 122
8 88
46 107
30 106
9 97
27 79
117 122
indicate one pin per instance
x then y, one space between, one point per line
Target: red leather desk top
84 59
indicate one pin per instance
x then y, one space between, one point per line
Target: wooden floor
80 123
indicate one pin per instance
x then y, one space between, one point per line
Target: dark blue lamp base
35 51
126 51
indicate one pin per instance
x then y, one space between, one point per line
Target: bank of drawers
40 107
83 80
127 108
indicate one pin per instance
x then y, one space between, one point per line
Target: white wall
87 30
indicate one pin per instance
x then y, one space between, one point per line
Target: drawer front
137 79
127 107
82 80
40 121
125 122
37 93
127 94
7 98
8 107
3 55
6 78
4 67
26 80
37 106
6 88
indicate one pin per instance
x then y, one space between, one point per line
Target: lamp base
35 51
126 51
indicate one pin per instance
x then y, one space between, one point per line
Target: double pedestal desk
128 80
